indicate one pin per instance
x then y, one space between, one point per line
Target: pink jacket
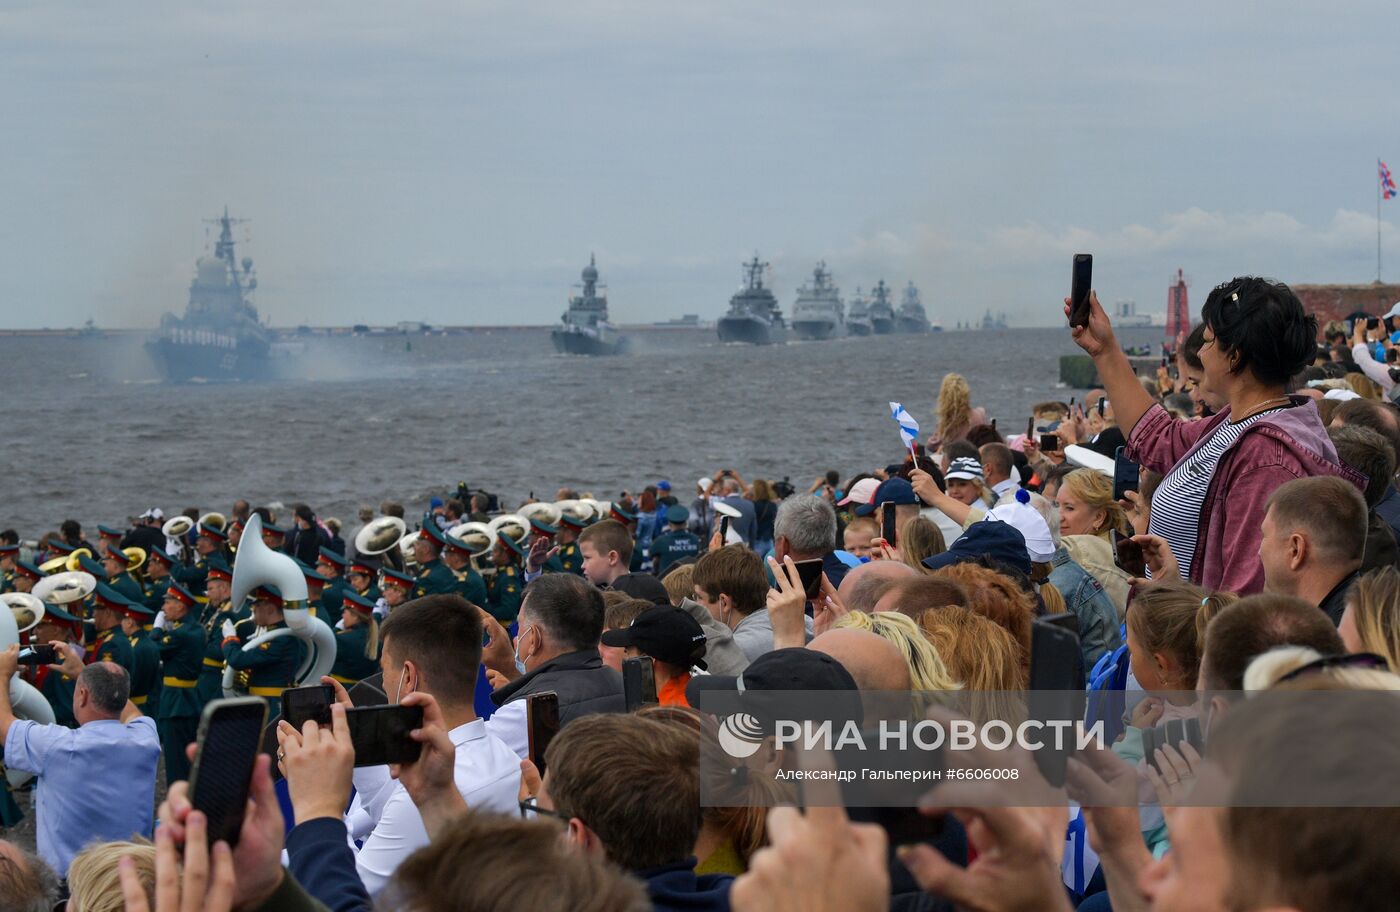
1276 449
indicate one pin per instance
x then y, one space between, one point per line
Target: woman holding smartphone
1220 472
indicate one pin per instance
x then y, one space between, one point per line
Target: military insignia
264 645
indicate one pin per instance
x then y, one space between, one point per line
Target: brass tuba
63 588
380 535
27 609
25 698
257 565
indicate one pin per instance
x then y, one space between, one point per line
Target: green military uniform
370 592
503 594
155 593
7 581
673 546
181 646
569 558
125 585
470 585
211 672
194 577
58 688
434 578
351 664
145 674
271 667
112 645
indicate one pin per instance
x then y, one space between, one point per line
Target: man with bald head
97 782
872 660
865 585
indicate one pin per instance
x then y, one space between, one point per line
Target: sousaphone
214 520
27 609
65 588
546 513
177 527
576 509
512 526
258 565
477 536
25 699
65 562
380 535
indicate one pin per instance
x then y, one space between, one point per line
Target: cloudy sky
456 162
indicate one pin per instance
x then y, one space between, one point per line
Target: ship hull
750 330
576 343
196 361
858 329
913 326
881 326
815 330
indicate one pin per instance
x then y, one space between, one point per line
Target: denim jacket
1086 598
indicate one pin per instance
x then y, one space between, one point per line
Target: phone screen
39 654
810 572
1050 443
1373 322
1125 474
723 530
1030 427
1079 289
1057 687
887 525
542 724
638 683
381 733
300 704
230 736
1127 554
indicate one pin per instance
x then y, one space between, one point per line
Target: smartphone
1049 443
1065 619
381 733
887 525
542 724
810 572
1079 289
1373 322
1030 427
1102 405
370 691
1125 474
1172 733
39 654
1127 554
300 704
638 683
227 745
1057 688
723 530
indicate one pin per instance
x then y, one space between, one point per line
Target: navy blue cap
435 503
891 490
677 514
1000 541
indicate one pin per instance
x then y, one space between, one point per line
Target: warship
858 319
818 313
881 313
912 318
220 336
584 329
753 316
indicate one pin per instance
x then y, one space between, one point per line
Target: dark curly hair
1261 326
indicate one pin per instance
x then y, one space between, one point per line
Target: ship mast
224 248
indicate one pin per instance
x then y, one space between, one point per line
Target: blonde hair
1364 387
1096 491
981 654
679 583
1171 618
1052 597
1375 609
94 883
920 538
926 668
1267 671
954 405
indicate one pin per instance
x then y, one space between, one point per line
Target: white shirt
508 724
487 773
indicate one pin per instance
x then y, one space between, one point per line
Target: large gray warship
753 316
220 336
881 312
858 317
584 328
818 313
912 317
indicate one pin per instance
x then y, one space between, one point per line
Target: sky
458 162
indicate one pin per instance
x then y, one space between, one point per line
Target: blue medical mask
519 662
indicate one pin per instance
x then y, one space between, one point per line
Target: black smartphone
229 738
1079 289
1125 474
541 724
1102 405
381 733
1057 688
887 525
638 683
1049 443
810 572
370 691
1373 322
1172 733
1030 427
39 654
1127 554
301 704
723 530
1066 619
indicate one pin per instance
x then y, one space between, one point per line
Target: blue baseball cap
663 485
1000 541
893 491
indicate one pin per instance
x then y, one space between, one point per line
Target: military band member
332 566
541 531
569 557
396 586
458 558
181 642
145 675
361 579
357 643
158 577
9 566
315 590
503 591
675 544
270 667
433 576
119 579
235 535
109 643
26 575
59 626
629 521
274 536
216 611
208 544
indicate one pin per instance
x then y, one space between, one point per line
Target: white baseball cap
862 492
705 484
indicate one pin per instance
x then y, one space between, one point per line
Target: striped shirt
1177 502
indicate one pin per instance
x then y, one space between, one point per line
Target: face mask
403 676
519 662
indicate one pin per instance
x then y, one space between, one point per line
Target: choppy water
90 432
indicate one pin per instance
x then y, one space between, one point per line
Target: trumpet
257 565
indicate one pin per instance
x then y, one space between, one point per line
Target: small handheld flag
908 427
1387 182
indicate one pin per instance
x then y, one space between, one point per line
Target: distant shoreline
322 331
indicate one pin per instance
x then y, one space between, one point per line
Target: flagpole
1380 192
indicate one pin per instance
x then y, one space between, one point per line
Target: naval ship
858 319
220 336
881 313
818 313
912 318
584 329
753 316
